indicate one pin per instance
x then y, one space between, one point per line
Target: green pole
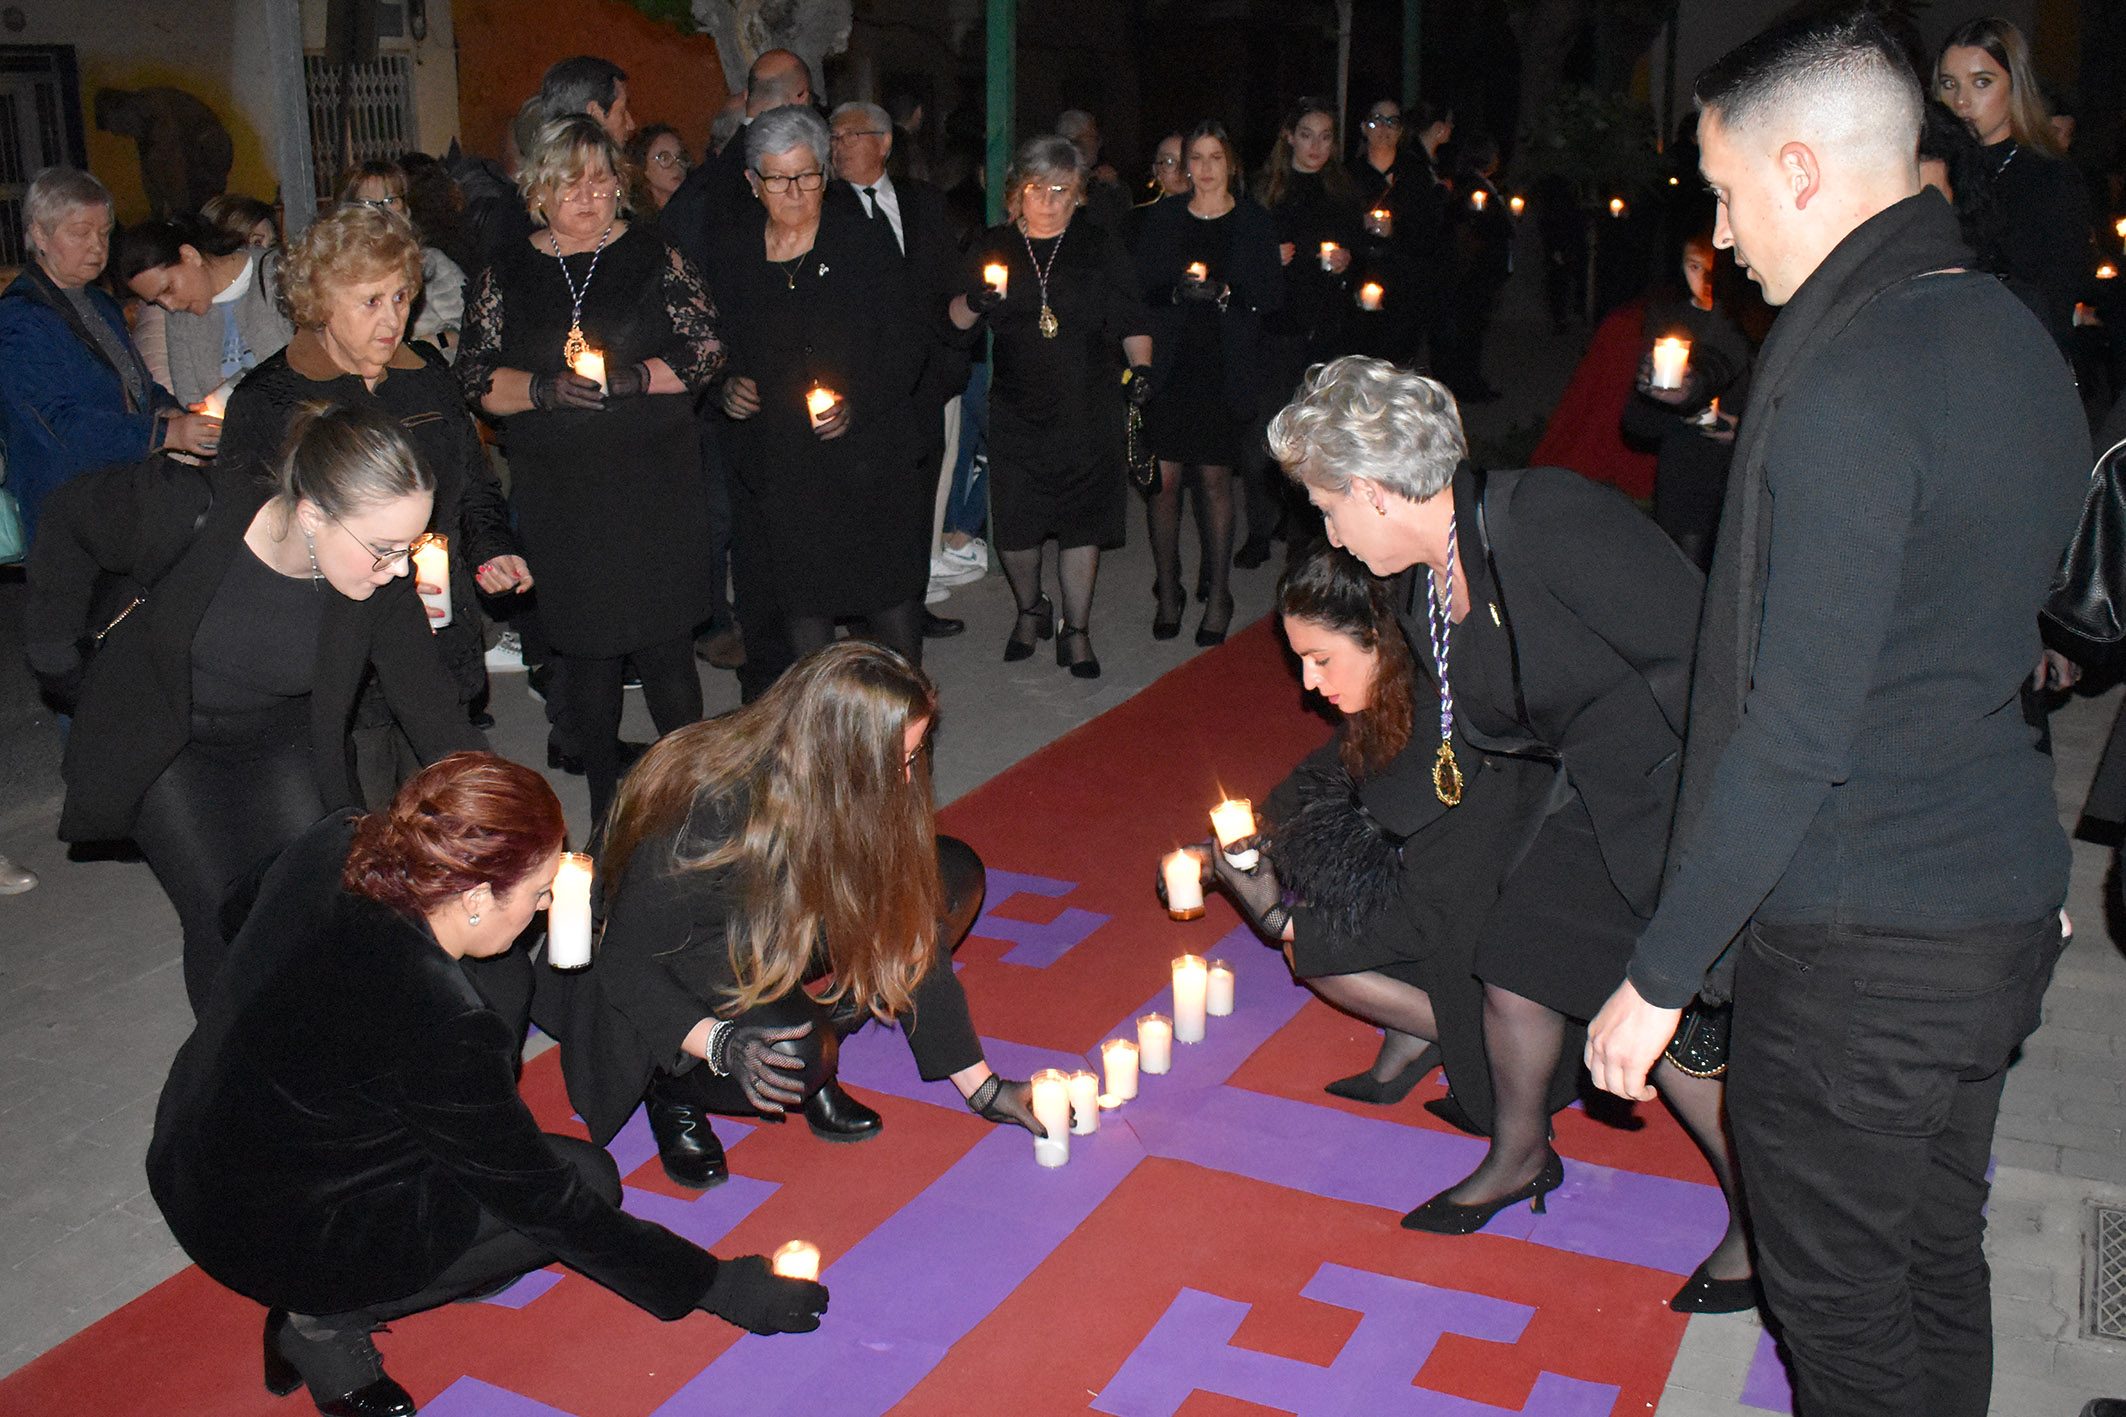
1413 33
1003 97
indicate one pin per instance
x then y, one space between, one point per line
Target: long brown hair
1276 176
2026 101
1329 588
839 838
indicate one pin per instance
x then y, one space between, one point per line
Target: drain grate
2107 1274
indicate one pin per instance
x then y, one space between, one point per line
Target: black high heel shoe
1205 635
1703 1294
1440 1216
1085 665
1040 621
1364 1087
1166 626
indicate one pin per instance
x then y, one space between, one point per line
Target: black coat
133 527
348 1106
933 257
1256 281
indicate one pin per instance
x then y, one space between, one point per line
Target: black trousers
592 694
234 797
1862 1089
496 1253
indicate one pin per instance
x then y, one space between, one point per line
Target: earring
310 544
472 919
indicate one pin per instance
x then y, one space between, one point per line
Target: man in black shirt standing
1864 814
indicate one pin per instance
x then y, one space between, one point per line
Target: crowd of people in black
739 404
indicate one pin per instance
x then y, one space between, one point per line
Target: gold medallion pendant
575 346
1447 775
1048 323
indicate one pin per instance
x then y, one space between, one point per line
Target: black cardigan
348 1106
1256 280
136 524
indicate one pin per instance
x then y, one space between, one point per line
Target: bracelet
712 1055
1274 920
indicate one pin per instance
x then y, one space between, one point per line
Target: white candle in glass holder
1183 874
1328 256
1155 1043
1369 295
1477 198
798 1260
1519 204
1118 1059
819 403
1671 358
431 566
568 919
1191 983
1051 1108
1218 990
1084 1102
997 276
1234 820
1380 222
591 365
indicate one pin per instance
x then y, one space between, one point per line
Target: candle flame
2107 271
1616 206
819 401
2119 226
1519 204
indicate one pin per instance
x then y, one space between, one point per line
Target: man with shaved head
1866 833
716 191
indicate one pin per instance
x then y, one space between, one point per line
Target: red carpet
1226 1244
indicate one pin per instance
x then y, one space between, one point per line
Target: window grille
378 118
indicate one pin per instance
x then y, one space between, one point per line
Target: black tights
592 690
1077 571
897 627
1214 529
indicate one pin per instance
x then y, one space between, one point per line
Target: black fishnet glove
984 298
767 1076
565 388
1255 892
748 1292
1137 384
999 1099
628 382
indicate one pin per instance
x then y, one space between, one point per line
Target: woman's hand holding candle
1051 1107
996 280
431 577
830 413
1670 358
1254 892
1233 824
590 364
798 1260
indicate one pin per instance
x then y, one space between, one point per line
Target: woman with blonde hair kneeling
749 856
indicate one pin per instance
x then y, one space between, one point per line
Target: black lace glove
767 1076
1001 1100
1137 384
1190 290
1257 894
627 382
565 388
748 1292
984 298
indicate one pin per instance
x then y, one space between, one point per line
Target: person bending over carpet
341 1138
749 856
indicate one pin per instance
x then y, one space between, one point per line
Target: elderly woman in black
211 725
1210 272
749 856
341 1138
1068 307
830 514
605 468
351 280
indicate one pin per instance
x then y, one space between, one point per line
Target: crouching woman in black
341 1138
749 856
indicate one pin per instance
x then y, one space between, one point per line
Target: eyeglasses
383 558
779 183
843 134
1166 162
382 204
1044 189
671 159
1384 120
584 194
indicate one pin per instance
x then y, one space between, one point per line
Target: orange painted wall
505 46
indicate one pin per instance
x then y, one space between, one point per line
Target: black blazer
1256 280
136 523
1603 614
932 253
348 1106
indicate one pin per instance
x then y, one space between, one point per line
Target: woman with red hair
341 1138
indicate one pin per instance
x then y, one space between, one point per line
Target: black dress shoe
344 1371
1252 553
282 1377
382 1398
941 627
569 763
1703 1294
834 1115
686 1143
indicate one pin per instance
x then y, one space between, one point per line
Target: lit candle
1380 222
1118 1059
591 365
1084 1102
1616 206
1671 356
1518 204
1190 983
568 919
820 402
997 276
217 400
1198 271
2119 226
1155 1043
798 1260
1234 820
2107 271
1218 997
1051 1108
1109 1102
1328 255
431 566
1369 295
1183 874
1478 198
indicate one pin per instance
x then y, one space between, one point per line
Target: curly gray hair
780 130
1363 417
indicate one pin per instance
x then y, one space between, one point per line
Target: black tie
871 202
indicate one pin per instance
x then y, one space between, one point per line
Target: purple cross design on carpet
1190 1349
1038 946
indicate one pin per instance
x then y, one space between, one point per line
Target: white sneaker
14 880
937 594
975 553
507 657
948 572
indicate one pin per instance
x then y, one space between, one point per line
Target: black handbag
2082 617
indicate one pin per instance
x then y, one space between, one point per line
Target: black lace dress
611 504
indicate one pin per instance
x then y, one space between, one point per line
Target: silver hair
880 118
1075 123
781 130
56 193
1363 417
1050 157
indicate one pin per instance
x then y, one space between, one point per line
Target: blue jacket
63 406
